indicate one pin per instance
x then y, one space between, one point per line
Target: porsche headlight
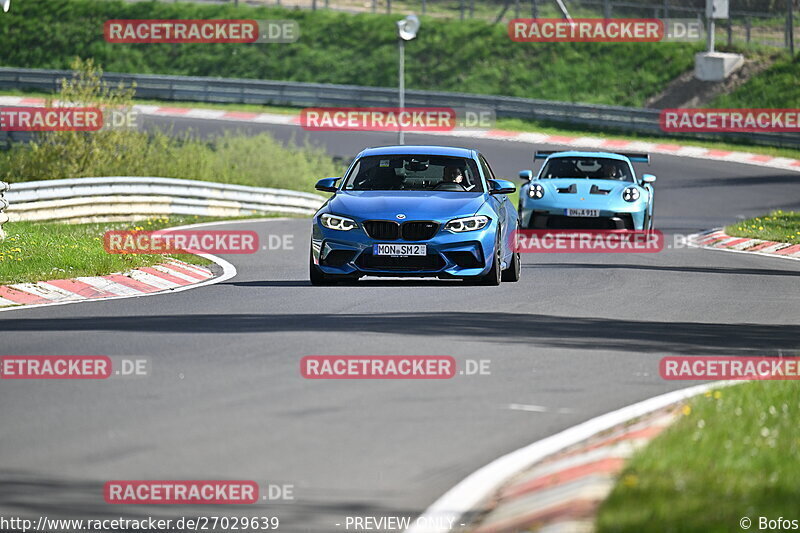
459 225
536 191
630 194
337 222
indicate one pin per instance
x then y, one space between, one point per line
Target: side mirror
327 185
501 187
648 178
526 175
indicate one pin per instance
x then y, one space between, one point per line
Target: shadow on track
409 282
661 268
585 333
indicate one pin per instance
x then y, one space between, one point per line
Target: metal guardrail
127 198
284 93
3 205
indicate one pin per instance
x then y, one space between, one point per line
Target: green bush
257 160
471 56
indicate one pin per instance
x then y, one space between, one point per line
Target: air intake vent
597 190
384 230
419 231
572 189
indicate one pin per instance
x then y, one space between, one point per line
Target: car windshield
414 172
600 168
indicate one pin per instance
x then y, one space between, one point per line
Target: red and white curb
563 492
169 276
597 143
474 494
717 239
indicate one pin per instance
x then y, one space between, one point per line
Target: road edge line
476 487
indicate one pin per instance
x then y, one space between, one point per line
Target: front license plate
400 250
582 212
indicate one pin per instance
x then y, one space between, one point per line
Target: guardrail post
3 205
730 33
747 27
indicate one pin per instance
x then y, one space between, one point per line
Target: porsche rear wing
635 157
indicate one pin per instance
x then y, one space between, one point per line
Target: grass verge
778 226
776 87
43 251
731 455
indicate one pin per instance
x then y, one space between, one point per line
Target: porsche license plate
582 212
399 250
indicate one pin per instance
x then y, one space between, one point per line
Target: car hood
415 205
583 197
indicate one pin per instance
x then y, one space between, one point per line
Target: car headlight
630 194
337 222
458 225
536 191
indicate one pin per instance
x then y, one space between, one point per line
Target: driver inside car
611 172
452 174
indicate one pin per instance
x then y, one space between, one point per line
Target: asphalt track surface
578 336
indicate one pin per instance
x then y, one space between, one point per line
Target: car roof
575 153
418 150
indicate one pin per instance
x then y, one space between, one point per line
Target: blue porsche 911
587 190
425 211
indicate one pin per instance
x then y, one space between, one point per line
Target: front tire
512 273
316 276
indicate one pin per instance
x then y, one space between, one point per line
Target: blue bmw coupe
425 211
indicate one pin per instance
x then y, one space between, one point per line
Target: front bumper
449 255
541 216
